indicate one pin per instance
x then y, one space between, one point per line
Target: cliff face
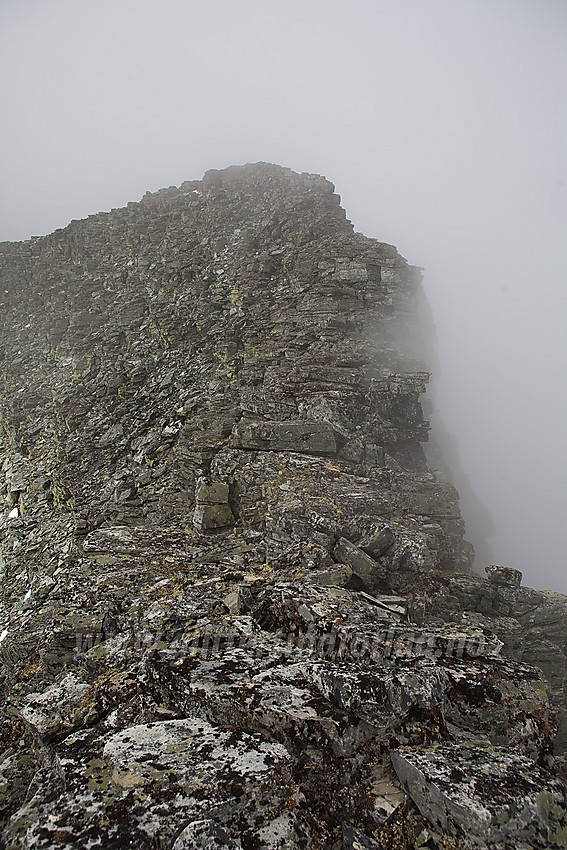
237 605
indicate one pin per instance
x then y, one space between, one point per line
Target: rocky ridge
237 607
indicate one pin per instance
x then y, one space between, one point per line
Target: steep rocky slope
237 604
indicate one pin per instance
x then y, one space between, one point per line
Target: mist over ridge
443 130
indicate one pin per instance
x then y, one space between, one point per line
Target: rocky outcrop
237 604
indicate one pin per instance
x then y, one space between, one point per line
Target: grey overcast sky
443 125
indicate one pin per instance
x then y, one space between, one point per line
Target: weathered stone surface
378 541
353 839
506 576
205 835
531 624
484 796
233 593
361 564
309 437
211 492
340 576
127 779
49 712
212 516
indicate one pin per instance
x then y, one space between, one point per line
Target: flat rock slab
144 752
484 796
117 788
309 437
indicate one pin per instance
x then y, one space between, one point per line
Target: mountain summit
238 608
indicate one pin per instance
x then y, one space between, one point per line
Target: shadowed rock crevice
237 603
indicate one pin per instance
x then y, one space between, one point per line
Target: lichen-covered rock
49 712
485 797
205 835
506 576
235 597
120 785
531 624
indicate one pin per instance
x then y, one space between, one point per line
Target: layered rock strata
237 604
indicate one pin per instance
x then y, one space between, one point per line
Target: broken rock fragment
505 576
484 796
212 509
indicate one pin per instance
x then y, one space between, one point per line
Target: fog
441 122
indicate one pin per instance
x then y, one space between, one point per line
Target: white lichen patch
191 747
47 712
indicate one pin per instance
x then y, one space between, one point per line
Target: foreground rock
484 796
237 608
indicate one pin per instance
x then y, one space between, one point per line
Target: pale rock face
237 605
